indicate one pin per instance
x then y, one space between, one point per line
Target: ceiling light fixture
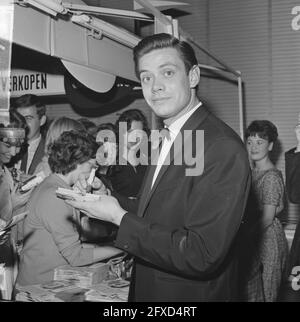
53 7
106 29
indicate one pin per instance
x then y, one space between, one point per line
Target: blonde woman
57 127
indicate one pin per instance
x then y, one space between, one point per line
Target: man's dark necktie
24 162
165 135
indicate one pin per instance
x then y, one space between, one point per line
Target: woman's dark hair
161 41
106 126
133 115
69 150
263 129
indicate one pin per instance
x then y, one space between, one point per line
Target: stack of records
84 277
109 291
47 292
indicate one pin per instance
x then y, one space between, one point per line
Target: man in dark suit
292 170
183 233
292 173
35 114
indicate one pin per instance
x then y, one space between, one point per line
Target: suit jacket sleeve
212 217
126 203
292 172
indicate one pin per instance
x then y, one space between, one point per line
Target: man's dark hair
133 115
69 150
160 41
264 129
30 100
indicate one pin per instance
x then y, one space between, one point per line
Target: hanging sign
34 82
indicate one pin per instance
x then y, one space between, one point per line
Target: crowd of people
55 234
201 218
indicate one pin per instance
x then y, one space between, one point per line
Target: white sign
34 82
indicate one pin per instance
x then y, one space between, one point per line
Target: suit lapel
148 182
146 191
191 124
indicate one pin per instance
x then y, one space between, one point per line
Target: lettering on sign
28 82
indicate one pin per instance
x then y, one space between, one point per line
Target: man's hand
106 208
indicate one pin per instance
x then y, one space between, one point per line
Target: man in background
34 112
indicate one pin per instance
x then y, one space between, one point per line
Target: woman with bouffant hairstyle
69 151
51 235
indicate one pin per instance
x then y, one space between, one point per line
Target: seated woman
51 236
270 254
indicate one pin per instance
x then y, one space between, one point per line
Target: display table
66 291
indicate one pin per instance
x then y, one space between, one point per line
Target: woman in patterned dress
270 255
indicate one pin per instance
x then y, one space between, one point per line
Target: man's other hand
107 208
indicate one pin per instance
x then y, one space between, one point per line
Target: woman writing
51 235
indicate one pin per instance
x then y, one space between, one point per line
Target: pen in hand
90 181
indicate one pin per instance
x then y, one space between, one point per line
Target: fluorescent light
116 33
107 11
50 6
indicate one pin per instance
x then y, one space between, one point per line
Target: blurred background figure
107 154
90 126
127 179
34 112
292 172
271 250
12 137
